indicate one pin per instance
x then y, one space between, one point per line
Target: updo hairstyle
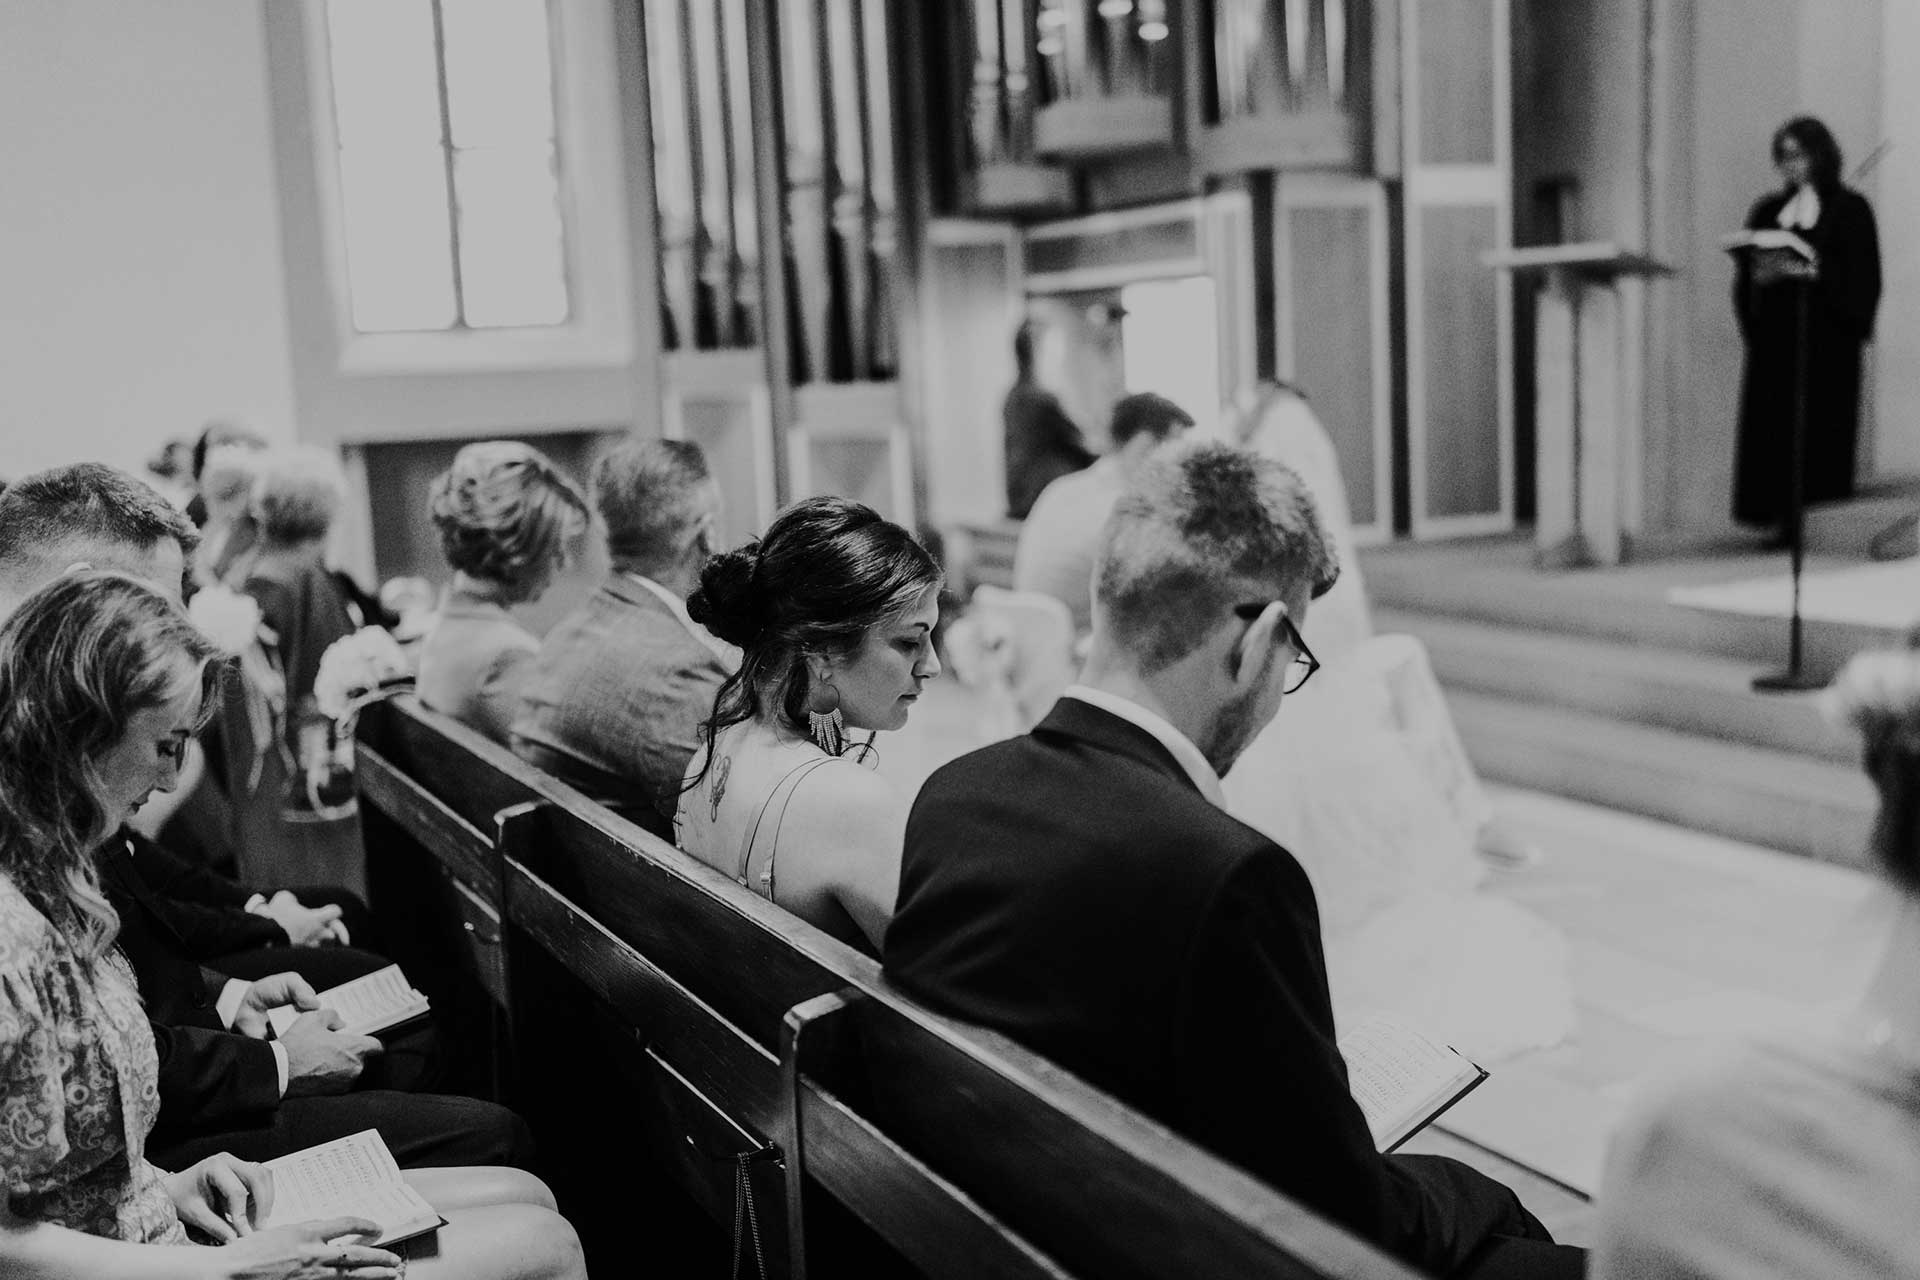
78 660
1878 694
505 513
297 492
826 573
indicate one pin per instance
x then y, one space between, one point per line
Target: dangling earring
827 728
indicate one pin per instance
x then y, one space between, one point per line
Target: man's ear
1252 657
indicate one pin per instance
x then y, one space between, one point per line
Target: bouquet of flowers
358 670
355 671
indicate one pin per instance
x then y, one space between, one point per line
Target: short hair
297 491
505 512
218 433
85 511
650 495
1817 141
1202 528
1148 412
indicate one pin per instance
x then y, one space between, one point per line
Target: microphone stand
1795 678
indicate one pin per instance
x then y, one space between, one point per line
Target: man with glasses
1082 889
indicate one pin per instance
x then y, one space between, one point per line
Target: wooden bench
753 1049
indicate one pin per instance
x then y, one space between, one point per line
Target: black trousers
423 1130
1474 1228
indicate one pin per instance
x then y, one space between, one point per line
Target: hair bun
726 602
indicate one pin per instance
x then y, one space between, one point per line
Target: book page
1400 1077
355 1175
365 1005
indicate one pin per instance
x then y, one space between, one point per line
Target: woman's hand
322 1250
223 1196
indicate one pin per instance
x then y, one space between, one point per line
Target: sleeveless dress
79 1086
749 856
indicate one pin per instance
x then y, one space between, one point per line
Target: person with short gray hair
616 695
1083 890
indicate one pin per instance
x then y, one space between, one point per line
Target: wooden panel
462 850
1461 368
1332 337
1085 1181
1454 45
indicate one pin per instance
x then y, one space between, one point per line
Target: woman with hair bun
1798 1156
833 611
508 521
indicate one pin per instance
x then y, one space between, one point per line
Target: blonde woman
508 521
102 682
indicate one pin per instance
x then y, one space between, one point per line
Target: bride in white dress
1364 780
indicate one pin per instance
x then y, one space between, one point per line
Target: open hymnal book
1769 238
366 1005
354 1176
1402 1079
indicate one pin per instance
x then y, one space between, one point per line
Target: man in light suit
619 690
1081 889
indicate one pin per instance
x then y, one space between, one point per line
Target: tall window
448 162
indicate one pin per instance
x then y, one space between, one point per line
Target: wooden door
1457 132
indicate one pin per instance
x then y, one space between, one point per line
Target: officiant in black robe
1838 223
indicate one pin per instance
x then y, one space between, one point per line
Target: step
1701 694
1782 801
1626 604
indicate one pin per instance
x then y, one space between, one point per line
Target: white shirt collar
1802 210
721 649
1177 743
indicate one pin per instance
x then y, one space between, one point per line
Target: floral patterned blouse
79 1086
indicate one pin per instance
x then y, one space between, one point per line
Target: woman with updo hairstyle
833 611
102 682
508 521
1798 1155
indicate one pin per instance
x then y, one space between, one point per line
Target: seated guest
221 1091
1055 553
617 692
508 521
101 682
834 611
297 492
1796 1155
1082 889
229 534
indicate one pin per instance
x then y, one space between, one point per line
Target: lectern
1581 405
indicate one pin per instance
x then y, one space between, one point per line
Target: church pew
753 1041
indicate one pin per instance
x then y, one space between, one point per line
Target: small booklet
1401 1079
381 1000
1768 239
352 1176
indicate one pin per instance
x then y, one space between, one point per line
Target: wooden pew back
755 1035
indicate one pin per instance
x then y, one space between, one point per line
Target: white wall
1894 187
140 273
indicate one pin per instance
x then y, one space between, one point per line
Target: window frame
598 330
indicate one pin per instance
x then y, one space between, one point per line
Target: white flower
980 645
1877 692
227 617
356 665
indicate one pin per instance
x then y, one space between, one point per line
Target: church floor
1677 939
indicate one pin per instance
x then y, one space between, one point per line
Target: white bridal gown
1363 779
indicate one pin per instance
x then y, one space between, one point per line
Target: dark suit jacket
1073 889
615 699
208 1075
1042 444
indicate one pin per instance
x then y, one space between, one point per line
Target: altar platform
1630 686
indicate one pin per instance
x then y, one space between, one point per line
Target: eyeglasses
1304 664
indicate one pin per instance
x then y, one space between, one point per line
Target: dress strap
790 783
